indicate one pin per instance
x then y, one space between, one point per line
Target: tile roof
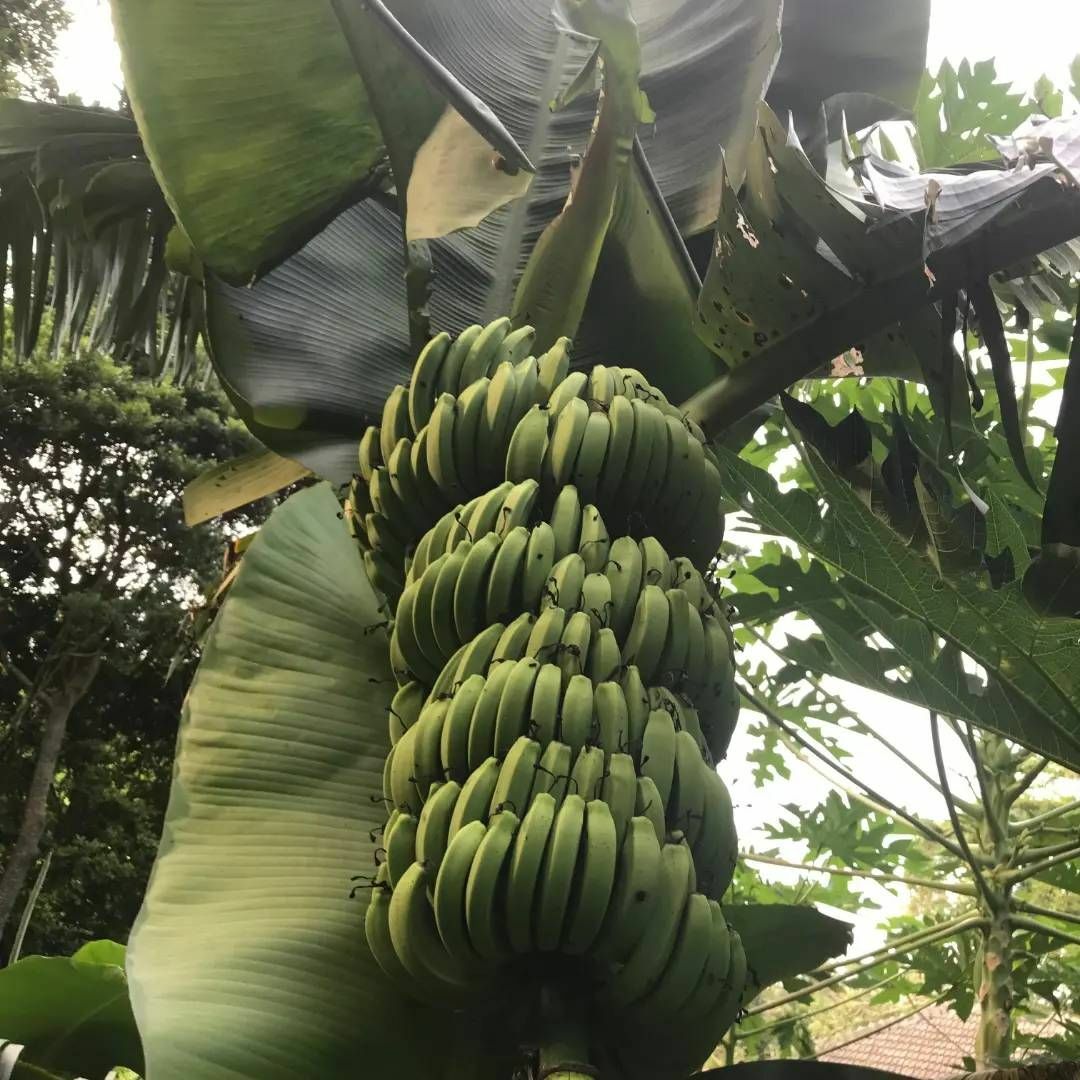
930 1045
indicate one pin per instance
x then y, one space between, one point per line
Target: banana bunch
565 686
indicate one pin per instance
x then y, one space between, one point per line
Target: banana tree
340 191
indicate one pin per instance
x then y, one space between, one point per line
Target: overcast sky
1037 37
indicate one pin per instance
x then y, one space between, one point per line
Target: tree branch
1042 928
935 735
824 984
1016 790
1035 854
1017 876
796 1017
15 671
1049 815
982 779
1034 909
872 875
926 830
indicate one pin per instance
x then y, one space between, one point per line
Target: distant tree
28 33
97 572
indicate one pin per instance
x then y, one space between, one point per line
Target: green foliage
28 32
94 556
72 1015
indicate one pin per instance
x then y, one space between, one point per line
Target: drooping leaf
235 483
1034 677
71 1014
248 957
783 940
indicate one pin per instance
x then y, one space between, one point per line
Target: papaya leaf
1032 660
248 958
71 1014
784 940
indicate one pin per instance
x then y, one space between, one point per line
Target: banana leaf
248 957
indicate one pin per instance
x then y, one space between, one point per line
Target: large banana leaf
71 1014
248 958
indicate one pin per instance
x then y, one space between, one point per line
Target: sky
1043 40
1038 37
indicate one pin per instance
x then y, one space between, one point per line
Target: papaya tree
486 669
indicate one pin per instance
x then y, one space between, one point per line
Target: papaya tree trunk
74 677
994 990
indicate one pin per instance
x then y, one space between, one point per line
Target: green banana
471 404
506 572
587 774
399 840
637 706
512 715
570 389
425 379
518 506
539 561
423 627
515 638
678 478
648 631
566 439
688 788
546 634
433 828
485 918
516 346
620 791
604 661
403 481
612 718
566 522
527 375
648 804
498 420
601 386
459 531
405 709
635 893
433 502
416 939
395 423
621 421
403 637
563 587
469 608
482 727
655 564
449 896
553 772
623 571
370 454
686 964
427 763
449 380
528 444
671 667
475 799
525 860
596 599
516 776
545 704
442 602
483 354
454 744
557 872
573 652
591 455
576 720
440 448
595 543
655 476
658 752
487 514
377 930
646 960
594 880
476 659
716 849
553 367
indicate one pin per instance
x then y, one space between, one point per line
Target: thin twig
1049 815
1041 928
984 888
1036 854
1018 789
1017 876
1034 909
872 875
927 830
796 1017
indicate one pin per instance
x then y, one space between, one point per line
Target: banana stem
564 1049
